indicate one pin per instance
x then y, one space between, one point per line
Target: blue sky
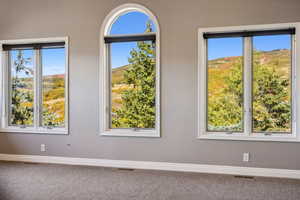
224 47
53 61
268 43
134 23
130 23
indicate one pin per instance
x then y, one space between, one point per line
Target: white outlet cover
246 157
43 147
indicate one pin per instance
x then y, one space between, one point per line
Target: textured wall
179 20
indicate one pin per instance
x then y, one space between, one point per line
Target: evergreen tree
21 101
270 99
138 102
22 95
225 108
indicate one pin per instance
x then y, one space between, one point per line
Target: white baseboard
180 167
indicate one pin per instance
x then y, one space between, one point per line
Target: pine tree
138 102
21 114
22 95
271 101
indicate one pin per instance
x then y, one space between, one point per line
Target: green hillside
271 91
53 98
221 67
271 99
280 57
270 88
118 74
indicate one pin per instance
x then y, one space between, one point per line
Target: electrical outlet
246 157
43 147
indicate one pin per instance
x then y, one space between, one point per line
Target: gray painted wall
179 20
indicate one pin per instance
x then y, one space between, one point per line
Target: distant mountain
48 77
54 76
118 74
279 56
220 68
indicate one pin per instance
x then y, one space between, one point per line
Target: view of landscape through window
271 84
132 74
53 89
22 87
133 78
21 95
225 86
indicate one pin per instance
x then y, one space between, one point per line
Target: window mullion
37 89
6 85
109 95
294 86
248 85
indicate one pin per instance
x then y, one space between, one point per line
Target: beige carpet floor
23 181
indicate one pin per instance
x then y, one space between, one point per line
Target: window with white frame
247 83
130 73
34 86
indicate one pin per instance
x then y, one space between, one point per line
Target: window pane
53 87
124 24
21 88
224 84
272 83
132 85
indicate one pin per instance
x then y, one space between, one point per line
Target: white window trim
247 134
105 29
3 87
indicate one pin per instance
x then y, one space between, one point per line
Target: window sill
131 133
239 137
35 131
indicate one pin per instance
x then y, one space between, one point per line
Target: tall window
130 105
272 83
224 93
34 86
248 82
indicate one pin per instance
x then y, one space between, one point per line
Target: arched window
129 73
